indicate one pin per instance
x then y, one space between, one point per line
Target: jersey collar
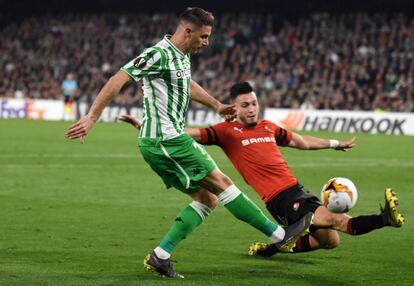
167 39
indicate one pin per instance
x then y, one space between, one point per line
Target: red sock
303 244
364 224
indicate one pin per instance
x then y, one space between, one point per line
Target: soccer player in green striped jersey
180 161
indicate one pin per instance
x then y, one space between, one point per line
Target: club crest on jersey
238 129
296 206
266 128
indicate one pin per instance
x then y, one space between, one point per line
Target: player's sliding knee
330 240
333 242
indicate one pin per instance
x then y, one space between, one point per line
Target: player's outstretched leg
389 212
293 233
163 266
245 210
184 224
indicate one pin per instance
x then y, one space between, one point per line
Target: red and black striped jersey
254 152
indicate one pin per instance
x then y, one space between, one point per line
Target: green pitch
73 214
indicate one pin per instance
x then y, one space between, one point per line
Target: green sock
244 209
185 223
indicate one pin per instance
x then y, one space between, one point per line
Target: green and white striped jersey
166 75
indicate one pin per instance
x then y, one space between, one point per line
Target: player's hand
344 145
80 129
227 111
131 120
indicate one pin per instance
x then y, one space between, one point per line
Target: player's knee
222 182
208 199
216 182
212 201
227 182
333 242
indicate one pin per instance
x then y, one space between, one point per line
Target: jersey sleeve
213 135
283 136
148 63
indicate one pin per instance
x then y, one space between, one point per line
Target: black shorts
292 204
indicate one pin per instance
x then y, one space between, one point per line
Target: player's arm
81 128
198 94
314 143
195 133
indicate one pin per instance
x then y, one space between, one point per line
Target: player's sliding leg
389 216
320 238
185 223
328 238
240 205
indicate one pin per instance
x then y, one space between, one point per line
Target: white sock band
229 195
278 234
161 253
201 209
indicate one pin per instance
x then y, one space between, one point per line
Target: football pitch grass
75 214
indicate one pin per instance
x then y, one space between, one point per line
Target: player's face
198 38
247 109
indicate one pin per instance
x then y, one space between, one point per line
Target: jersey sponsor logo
183 73
250 141
238 129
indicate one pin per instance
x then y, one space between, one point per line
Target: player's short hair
240 88
197 16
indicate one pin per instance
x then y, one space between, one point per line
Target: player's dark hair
197 16
240 88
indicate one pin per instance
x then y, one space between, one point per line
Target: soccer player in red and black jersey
252 145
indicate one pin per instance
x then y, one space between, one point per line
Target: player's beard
250 123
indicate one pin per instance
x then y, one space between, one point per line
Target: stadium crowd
322 61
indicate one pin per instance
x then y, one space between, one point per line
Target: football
339 195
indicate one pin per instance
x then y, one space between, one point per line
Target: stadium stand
347 61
